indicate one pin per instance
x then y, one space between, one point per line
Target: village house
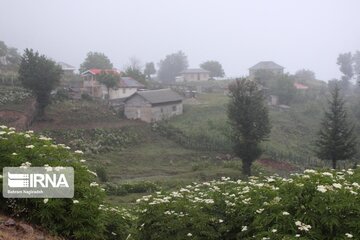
193 75
125 87
67 68
153 105
266 65
92 86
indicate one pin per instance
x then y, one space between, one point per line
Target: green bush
101 173
126 188
13 95
95 140
313 205
84 216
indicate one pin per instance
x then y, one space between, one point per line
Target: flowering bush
313 205
13 95
84 216
95 140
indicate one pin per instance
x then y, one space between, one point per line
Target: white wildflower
285 213
244 228
94 184
348 235
46 200
30 146
260 210
189 235
79 152
75 201
321 188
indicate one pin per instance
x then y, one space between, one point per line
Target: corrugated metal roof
66 66
130 82
195 70
159 96
266 65
96 71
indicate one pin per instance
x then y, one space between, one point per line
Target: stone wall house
153 105
193 75
266 65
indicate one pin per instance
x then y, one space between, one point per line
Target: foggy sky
294 33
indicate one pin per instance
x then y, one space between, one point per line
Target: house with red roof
300 86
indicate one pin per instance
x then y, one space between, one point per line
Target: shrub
126 188
101 173
313 205
95 140
86 97
83 217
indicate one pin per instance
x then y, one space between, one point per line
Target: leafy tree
40 75
135 74
9 58
110 80
265 77
284 89
214 67
95 60
336 140
345 62
171 67
356 60
149 70
304 76
248 117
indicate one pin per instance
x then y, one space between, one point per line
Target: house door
138 113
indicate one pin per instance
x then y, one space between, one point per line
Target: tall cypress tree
248 116
336 140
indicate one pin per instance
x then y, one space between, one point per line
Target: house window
174 108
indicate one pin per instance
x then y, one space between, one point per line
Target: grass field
293 130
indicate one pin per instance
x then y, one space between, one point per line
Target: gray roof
159 96
66 66
195 70
130 83
266 65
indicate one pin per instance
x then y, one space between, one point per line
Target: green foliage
214 67
95 60
110 80
345 61
304 76
171 67
95 140
127 188
336 140
10 58
40 75
149 69
283 87
13 95
136 74
248 116
101 173
198 139
81 218
313 205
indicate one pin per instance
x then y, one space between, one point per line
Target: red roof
96 71
300 86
